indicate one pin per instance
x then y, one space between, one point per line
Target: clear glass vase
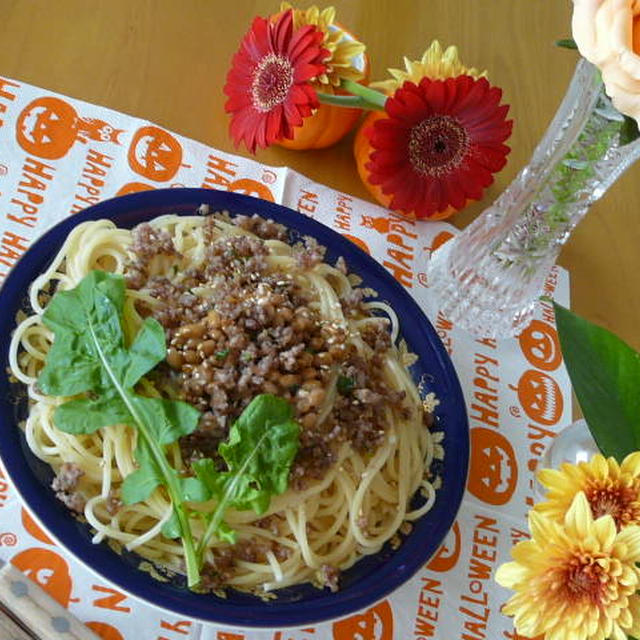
489 277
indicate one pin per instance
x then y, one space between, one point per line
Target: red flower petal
267 85
439 145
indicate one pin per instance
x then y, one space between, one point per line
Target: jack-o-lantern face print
373 624
540 345
448 554
494 470
49 570
47 128
540 397
155 154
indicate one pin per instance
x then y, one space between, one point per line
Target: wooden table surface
166 60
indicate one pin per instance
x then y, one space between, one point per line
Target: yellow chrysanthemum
576 580
344 49
435 64
610 488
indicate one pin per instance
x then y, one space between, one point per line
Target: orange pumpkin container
329 123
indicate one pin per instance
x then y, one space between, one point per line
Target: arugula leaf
263 442
86 415
605 374
89 355
140 484
259 452
148 348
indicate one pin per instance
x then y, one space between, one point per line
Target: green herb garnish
88 356
221 355
345 385
89 359
261 446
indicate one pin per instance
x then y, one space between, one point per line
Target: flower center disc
271 82
437 145
617 502
583 580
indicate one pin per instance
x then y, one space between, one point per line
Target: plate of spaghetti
227 409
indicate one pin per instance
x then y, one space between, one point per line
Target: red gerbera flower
439 145
268 83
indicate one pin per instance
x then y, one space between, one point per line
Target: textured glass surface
574 444
488 278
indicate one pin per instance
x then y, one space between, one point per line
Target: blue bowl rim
405 562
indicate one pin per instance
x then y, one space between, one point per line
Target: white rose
604 32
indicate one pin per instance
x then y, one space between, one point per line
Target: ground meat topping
311 254
64 485
113 503
148 244
330 576
67 477
237 327
265 229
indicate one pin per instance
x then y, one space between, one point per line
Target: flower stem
361 97
351 102
370 95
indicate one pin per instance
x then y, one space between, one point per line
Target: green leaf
140 484
171 528
259 452
86 415
167 420
605 374
226 534
148 349
70 369
567 43
89 355
629 130
263 442
194 490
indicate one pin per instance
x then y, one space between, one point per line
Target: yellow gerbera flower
576 580
435 64
343 47
610 488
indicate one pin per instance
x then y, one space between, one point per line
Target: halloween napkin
59 155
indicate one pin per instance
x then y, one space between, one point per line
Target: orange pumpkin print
440 239
104 630
47 569
493 476
155 154
47 128
251 188
133 187
540 397
32 527
374 624
448 554
359 242
541 346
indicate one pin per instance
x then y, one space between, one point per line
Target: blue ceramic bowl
371 578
